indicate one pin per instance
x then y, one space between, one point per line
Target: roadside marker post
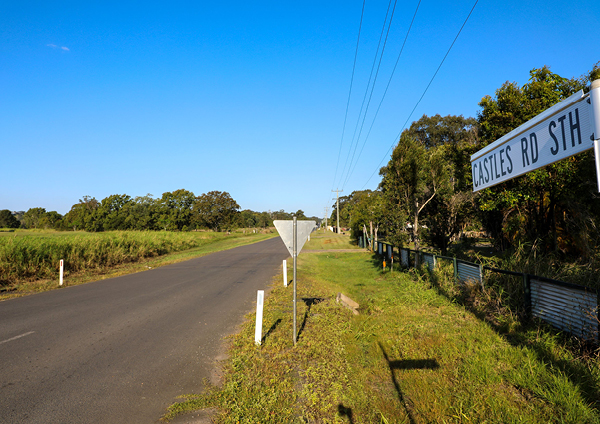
294 235
260 300
285 280
62 269
569 127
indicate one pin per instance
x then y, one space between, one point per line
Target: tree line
426 193
179 210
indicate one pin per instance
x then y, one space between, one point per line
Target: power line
424 92
349 91
349 94
370 96
384 94
368 84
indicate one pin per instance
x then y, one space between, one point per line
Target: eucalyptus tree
449 141
8 220
413 177
174 210
80 217
215 210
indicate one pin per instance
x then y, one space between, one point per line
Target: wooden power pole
338 208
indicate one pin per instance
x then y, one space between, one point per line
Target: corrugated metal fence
566 306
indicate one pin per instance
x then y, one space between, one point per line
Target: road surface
121 350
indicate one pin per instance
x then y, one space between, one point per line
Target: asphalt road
121 350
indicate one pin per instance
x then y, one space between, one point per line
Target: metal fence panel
390 251
429 259
380 248
404 258
568 309
468 272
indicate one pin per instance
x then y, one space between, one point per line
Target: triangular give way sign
285 228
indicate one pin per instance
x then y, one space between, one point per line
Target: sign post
566 129
295 255
294 234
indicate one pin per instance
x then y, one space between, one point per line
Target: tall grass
30 258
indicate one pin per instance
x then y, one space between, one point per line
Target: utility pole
326 213
338 208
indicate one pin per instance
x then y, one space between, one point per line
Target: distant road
121 350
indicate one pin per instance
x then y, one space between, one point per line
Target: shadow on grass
407 364
346 412
268 333
308 301
576 371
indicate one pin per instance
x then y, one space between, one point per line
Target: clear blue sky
101 98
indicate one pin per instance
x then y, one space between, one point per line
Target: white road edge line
16 337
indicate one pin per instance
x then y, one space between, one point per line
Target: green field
419 352
29 260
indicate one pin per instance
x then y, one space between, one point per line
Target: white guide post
260 300
285 280
62 269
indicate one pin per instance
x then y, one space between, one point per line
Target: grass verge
413 355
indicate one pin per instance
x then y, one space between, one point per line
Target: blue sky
101 98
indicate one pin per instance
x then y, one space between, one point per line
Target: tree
175 210
143 213
32 217
451 140
7 219
51 219
80 217
365 209
413 177
215 210
554 204
281 215
113 213
300 214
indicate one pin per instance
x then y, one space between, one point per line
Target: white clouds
54 46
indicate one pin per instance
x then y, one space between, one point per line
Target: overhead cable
349 93
384 94
422 95
368 85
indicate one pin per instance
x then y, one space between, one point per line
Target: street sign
285 228
566 129
294 234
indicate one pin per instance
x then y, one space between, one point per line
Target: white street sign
285 228
565 129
